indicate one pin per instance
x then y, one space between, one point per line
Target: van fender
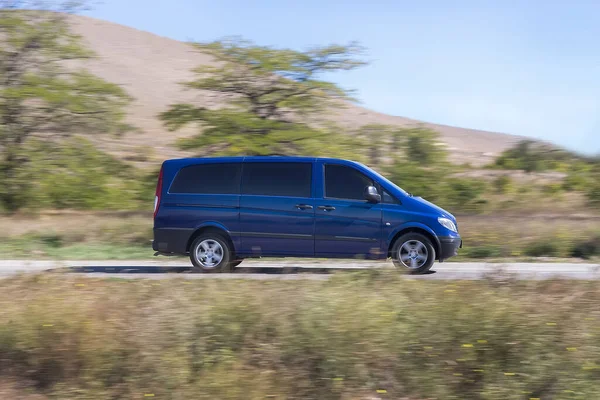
211 224
235 239
417 225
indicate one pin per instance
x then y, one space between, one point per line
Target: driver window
342 182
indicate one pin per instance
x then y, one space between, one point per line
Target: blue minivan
223 210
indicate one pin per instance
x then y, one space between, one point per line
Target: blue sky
528 67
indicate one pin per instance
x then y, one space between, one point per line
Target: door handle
326 208
304 206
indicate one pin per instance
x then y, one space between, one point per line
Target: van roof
254 158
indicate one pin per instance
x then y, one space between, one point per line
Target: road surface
294 269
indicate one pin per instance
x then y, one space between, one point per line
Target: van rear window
277 179
208 179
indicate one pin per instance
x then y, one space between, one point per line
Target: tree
388 143
273 99
593 191
531 156
423 147
503 184
374 137
43 97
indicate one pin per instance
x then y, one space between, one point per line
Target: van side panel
189 212
275 226
180 215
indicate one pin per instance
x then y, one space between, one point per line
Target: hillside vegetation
150 68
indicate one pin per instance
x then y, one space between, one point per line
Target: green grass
482 251
101 252
356 336
19 249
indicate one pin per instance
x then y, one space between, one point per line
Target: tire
210 252
413 253
235 263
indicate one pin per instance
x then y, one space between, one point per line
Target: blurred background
94 97
90 109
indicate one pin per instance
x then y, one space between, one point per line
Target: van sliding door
276 209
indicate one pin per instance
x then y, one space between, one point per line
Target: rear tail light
158 193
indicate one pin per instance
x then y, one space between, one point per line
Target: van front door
346 225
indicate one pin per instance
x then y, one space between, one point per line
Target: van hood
425 205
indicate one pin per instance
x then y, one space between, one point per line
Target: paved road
294 269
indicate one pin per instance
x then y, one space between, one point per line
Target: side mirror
371 195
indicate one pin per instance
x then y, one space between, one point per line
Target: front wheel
414 253
210 253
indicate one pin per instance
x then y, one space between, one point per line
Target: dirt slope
150 68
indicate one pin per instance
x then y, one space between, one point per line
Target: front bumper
449 247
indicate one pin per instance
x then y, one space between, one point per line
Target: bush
503 184
525 189
530 156
543 248
587 248
52 240
420 181
485 251
422 147
464 193
435 185
593 194
552 189
141 154
575 182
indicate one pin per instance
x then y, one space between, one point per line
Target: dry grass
523 228
536 203
16 390
351 337
77 235
78 227
518 237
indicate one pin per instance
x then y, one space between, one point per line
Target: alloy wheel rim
413 254
209 253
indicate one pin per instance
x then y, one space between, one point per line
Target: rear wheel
414 253
210 252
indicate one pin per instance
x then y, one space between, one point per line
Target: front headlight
448 224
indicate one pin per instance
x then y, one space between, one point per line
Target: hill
150 68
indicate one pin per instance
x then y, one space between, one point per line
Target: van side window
342 182
208 179
388 198
277 179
